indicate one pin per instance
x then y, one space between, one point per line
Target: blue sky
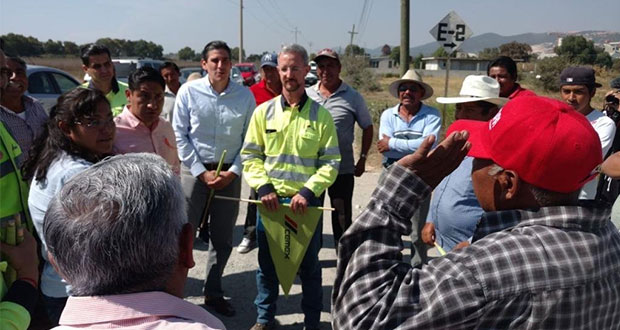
269 23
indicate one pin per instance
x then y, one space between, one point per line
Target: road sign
450 32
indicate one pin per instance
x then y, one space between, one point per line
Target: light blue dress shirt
206 123
454 209
40 195
406 137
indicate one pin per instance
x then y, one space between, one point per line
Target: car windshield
245 68
124 69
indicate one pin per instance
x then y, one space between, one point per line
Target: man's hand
270 201
434 165
360 167
462 245
207 176
299 204
222 181
383 145
23 257
428 234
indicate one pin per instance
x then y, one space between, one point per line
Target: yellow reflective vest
13 189
117 99
287 148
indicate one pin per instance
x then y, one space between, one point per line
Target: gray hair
543 197
115 227
297 49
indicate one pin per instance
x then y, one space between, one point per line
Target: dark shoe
220 305
262 326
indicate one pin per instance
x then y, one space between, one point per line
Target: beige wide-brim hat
477 88
411 76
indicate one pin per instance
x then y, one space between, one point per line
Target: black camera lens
611 99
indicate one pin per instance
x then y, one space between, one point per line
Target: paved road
239 277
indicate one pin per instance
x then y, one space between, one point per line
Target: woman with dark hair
80 132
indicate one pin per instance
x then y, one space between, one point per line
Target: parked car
311 79
235 74
125 66
185 72
47 84
248 71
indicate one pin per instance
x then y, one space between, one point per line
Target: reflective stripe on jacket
291 148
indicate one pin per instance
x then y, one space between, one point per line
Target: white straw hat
476 88
411 76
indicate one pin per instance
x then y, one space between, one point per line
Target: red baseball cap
548 143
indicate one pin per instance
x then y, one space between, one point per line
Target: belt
213 166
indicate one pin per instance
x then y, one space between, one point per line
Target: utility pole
295 32
240 31
404 36
352 33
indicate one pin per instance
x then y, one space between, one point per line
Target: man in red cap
539 259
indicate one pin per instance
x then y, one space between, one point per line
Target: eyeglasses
6 71
96 123
404 88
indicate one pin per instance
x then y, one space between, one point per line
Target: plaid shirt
25 131
558 268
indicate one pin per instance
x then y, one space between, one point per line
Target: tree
441 52
355 72
489 53
577 49
354 50
386 50
254 58
71 48
603 59
417 61
395 55
186 53
19 45
516 50
235 54
548 70
53 47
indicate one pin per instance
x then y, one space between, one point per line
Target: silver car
47 84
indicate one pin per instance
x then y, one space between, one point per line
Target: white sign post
450 33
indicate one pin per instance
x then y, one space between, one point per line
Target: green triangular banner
288 235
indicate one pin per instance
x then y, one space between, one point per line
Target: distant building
456 64
383 64
613 49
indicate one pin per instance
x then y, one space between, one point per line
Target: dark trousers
341 197
249 227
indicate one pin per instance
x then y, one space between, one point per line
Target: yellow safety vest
291 148
117 100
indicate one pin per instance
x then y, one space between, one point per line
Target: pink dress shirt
144 310
133 136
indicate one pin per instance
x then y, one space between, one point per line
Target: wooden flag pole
259 202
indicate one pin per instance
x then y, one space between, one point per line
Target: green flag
288 235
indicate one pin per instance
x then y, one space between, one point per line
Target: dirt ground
239 279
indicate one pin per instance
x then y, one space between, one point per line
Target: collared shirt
206 123
41 193
261 93
143 310
557 268
406 137
520 91
455 210
116 96
169 98
606 130
25 131
347 107
133 136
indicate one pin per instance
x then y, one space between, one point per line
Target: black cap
615 83
578 76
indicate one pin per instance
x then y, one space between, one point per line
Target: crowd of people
114 184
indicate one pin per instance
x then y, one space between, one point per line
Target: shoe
220 305
246 245
262 326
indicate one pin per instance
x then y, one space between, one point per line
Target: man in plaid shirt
540 259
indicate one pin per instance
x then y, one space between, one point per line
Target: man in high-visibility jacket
290 153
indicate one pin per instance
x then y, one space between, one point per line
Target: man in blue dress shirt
212 115
402 129
455 210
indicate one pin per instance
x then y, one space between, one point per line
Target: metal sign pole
445 88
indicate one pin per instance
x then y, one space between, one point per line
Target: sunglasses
404 88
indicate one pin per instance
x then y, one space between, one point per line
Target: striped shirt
24 131
554 268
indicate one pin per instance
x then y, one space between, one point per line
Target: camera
612 99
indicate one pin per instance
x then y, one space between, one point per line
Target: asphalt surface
239 279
